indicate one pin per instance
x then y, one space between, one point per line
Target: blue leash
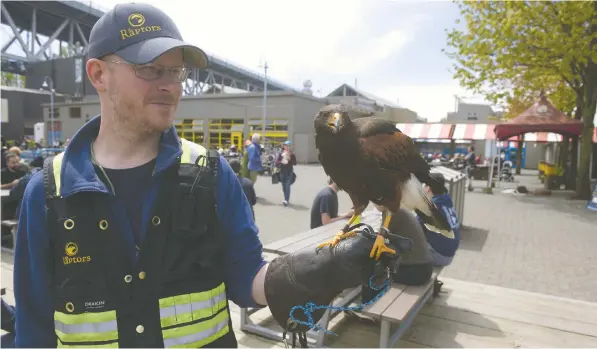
310 307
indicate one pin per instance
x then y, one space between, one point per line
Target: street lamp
264 66
49 84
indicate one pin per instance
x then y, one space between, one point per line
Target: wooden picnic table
397 308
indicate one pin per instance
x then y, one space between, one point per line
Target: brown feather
396 153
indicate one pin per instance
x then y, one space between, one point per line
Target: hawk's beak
335 121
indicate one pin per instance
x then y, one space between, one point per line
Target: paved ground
546 245
540 244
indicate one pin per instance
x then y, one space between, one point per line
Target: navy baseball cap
140 33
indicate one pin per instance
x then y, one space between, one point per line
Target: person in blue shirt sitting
442 249
133 237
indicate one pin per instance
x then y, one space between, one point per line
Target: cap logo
137 26
136 20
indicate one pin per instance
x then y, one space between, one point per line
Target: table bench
399 306
308 239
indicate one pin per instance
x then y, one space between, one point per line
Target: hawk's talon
379 247
339 237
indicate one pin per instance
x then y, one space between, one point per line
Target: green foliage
11 79
511 50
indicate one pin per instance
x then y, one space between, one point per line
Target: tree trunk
589 105
573 168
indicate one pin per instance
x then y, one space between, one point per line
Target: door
237 139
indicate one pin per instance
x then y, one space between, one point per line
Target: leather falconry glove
318 276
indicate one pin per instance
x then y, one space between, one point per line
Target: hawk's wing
372 126
383 144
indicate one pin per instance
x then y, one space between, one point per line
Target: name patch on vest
71 249
95 305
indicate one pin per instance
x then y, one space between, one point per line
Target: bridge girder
70 23
28 38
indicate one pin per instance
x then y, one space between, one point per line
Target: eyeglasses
151 72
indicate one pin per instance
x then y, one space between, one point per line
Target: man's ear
96 72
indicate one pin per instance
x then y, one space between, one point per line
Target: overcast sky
392 48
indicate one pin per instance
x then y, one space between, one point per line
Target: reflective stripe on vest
207 307
86 327
190 152
56 168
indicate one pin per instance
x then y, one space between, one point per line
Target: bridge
41 31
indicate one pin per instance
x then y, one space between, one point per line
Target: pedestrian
286 161
254 150
471 164
133 237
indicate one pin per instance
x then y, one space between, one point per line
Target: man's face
13 163
145 105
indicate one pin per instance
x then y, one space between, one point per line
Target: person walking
286 161
254 150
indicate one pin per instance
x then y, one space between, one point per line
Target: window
75 112
190 129
56 113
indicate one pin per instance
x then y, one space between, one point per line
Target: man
442 249
13 171
324 209
254 164
470 163
134 238
245 183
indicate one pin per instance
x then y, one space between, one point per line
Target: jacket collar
78 172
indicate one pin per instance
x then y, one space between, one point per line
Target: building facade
22 109
472 113
367 102
220 120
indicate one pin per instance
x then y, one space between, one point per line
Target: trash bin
456 185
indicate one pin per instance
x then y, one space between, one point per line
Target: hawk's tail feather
415 198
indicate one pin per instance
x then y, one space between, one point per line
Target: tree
559 93
508 44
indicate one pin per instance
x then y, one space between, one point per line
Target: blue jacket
33 295
441 244
254 154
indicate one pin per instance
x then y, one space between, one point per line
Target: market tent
542 116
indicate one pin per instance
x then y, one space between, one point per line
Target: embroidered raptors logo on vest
71 249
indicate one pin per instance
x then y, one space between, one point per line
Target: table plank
326 235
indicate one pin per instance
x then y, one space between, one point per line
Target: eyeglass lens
151 72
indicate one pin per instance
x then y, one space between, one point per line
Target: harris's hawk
371 160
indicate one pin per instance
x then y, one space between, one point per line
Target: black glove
318 276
